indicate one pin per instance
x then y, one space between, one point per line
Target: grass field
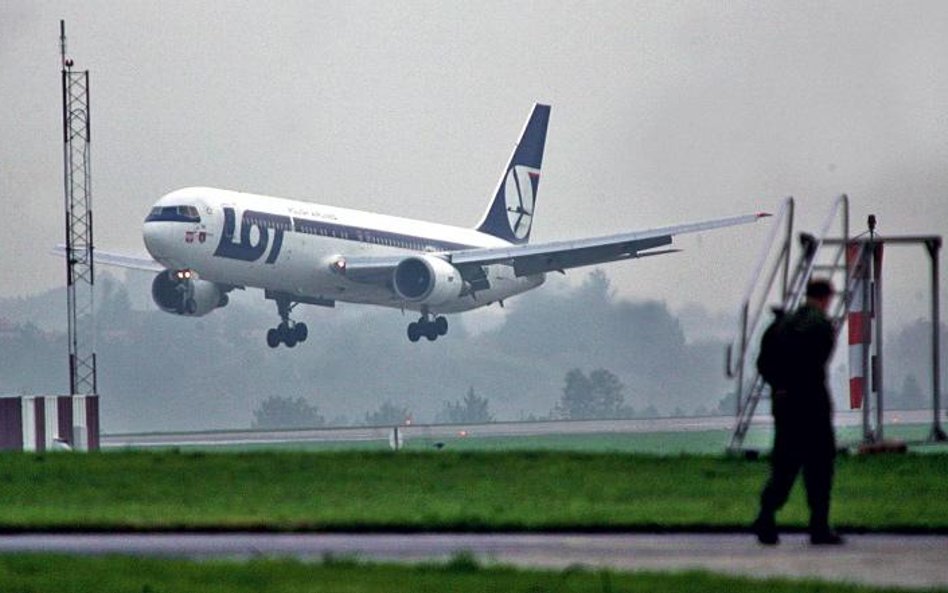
446 490
64 574
704 442
699 442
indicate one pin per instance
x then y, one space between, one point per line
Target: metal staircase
816 255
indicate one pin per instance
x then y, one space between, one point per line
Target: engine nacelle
427 280
191 296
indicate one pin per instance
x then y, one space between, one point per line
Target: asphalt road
882 560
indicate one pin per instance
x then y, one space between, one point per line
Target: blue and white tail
510 214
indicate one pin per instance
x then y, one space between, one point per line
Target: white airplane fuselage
287 246
206 242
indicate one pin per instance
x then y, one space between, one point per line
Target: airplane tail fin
510 214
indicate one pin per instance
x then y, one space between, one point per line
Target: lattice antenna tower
80 269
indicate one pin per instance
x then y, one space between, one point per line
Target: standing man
800 344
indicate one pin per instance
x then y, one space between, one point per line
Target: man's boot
765 527
825 536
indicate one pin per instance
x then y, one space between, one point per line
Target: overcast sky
662 113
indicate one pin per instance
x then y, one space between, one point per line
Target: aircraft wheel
301 332
273 338
441 325
413 332
289 338
431 332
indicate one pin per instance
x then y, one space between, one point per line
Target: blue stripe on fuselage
372 236
243 248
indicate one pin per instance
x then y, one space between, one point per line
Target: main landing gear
288 332
428 326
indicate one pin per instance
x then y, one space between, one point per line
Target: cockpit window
174 214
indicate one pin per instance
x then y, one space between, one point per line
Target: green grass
64 574
445 490
699 442
704 442
660 443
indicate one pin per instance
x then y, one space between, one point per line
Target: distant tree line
286 412
596 396
579 352
471 410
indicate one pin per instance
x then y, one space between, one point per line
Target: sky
662 113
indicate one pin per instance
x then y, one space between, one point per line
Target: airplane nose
156 235
152 237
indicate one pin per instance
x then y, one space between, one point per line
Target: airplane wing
120 260
548 257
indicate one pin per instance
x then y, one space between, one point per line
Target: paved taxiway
891 560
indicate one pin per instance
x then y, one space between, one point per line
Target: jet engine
183 293
427 280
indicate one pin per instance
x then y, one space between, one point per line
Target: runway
445 431
881 560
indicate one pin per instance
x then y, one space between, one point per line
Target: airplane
207 242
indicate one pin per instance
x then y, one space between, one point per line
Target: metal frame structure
80 270
793 287
932 244
761 292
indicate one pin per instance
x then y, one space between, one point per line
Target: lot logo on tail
520 189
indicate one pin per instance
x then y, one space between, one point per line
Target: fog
160 372
662 113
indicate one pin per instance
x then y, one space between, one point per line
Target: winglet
510 214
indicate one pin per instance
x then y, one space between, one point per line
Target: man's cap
819 288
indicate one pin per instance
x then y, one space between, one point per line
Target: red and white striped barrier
860 321
44 423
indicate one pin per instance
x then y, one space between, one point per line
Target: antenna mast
80 273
